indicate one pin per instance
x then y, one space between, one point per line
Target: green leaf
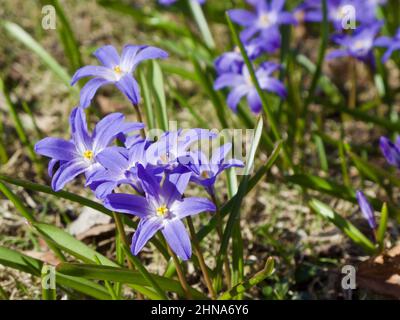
68 243
253 281
157 82
13 259
71 48
237 204
344 225
201 22
22 36
124 276
144 85
380 234
228 207
48 293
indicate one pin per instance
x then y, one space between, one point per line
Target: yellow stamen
162 211
205 174
264 19
117 69
88 154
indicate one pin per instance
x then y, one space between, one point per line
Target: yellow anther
162 211
88 154
264 20
205 175
117 69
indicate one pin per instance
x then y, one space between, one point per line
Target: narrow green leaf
201 22
23 136
235 213
71 245
147 100
228 207
157 81
143 271
380 234
13 259
124 276
344 225
253 281
48 293
67 36
22 36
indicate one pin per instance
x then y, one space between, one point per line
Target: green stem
201 21
179 271
200 257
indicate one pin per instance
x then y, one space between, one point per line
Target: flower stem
121 231
181 277
220 235
139 118
200 256
353 89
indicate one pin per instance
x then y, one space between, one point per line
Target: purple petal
129 87
242 17
93 71
337 54
236 95
254 101
228 80
113 159
277 5
191 206
220 154
55 148
147 228
50 168
106 130
174 186
149 182
79 130
366 209
128 203
89 90
133 55
178 239
275 86
390 151
108 56
66 173
383 41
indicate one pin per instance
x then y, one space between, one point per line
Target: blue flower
339 11
268 17
233 61
116 70
359 45
366 209
392 45
205 171
242 85
80 154
391 151
162 209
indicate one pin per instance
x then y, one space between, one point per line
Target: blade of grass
253 281
201 22
48 293
124 276
380 234
147 100
67 36
235 213
13 259
23 136
157 82
22 36
228 207
344 225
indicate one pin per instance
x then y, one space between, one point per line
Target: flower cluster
360 42
260 36
115 158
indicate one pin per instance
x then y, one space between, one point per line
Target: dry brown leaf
381 274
